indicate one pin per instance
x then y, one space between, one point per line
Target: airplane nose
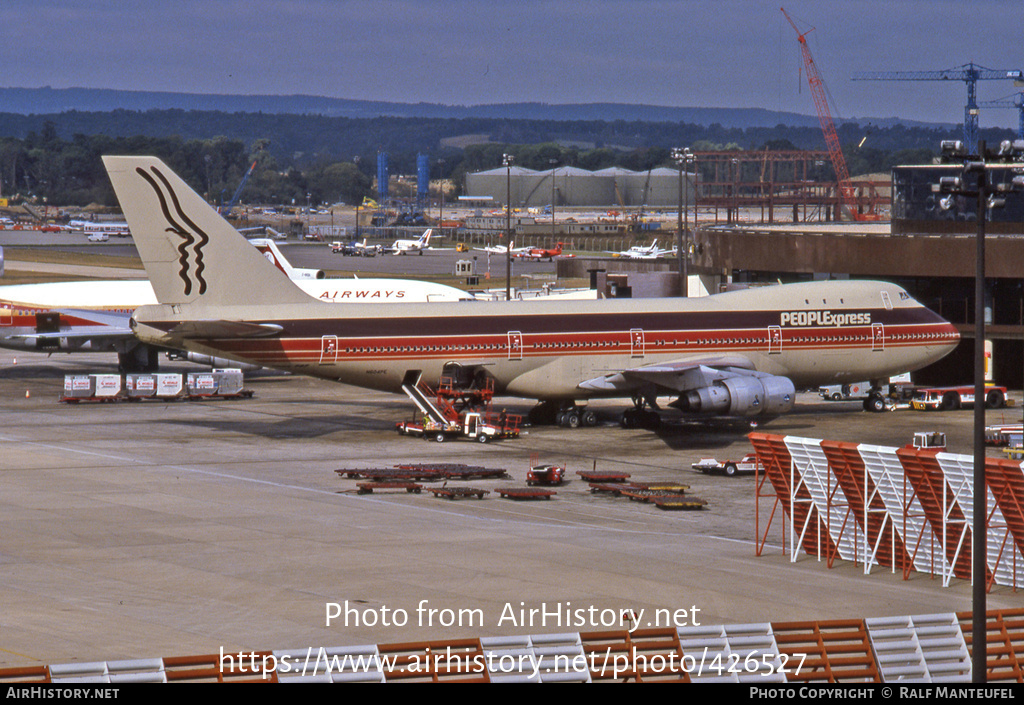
948 338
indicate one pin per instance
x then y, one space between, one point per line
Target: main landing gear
876 402
639 416
564 414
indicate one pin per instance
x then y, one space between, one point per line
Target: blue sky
729 53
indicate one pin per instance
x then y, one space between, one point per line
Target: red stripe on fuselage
453 347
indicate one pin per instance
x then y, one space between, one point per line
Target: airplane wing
108 327
81 334
100 318
671 376
224 329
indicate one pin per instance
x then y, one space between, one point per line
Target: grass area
56 256
11 278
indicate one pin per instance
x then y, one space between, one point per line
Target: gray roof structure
572 186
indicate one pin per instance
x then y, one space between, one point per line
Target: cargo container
226 383
100 387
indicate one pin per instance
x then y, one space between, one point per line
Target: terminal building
927 247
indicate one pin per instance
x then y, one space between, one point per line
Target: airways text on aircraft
362 294
824 318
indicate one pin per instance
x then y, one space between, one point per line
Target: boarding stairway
442 413
445 405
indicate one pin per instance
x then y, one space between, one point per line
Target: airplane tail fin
425 239
269 249
191 253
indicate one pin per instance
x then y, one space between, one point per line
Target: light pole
440 185
683 158
691 161
506 160
206 160
355 160
974 182
552 162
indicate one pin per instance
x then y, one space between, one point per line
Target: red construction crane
847 196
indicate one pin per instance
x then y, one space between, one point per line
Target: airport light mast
506 160
685 160
975 181
553 163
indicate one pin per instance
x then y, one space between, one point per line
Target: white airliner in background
642 252
499 250
91 316
402 247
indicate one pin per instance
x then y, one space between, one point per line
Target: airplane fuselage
92 316
813 334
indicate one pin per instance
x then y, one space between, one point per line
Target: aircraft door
774 340
48 323
6 316
328 349
877 337
636 342
515 345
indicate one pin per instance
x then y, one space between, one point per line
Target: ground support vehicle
452 414
929 440
951 398
545 475
1004 434
730 467
354 249
459 492
841 392
472 425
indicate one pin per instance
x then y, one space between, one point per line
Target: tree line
56 158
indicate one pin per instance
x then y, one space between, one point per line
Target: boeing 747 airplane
740 354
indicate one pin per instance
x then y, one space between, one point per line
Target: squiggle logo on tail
190 233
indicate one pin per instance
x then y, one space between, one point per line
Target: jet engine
306 273
215 362
760 395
